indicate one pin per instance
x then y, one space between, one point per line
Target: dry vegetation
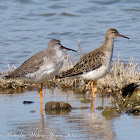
120 75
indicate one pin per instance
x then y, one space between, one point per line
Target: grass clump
121 75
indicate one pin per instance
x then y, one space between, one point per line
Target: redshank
41 66
96 64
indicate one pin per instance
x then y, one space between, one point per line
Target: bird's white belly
96 74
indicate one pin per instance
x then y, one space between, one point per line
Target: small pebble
28 102
99 108
32 111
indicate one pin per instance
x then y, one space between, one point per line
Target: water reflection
42 114
84 123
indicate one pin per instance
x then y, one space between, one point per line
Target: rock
57 105
110 112
129 102
135 110
133 101
32 111
99 108
57 108
129 89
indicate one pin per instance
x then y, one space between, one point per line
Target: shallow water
19 122
26 26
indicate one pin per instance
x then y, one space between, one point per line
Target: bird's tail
64 74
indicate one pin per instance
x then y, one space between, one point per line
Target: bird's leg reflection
93 105
42 116
41 107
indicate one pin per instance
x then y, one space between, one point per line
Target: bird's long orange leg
92 90
41 99
92 96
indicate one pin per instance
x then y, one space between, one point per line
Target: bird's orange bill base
92 91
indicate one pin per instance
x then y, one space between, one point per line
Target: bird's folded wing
29 66
89 62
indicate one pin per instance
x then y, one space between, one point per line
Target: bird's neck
58 53
108 44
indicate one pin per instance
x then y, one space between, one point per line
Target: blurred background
26 26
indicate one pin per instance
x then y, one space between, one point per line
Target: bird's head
113 33
56 44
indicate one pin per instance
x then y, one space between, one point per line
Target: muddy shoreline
126 100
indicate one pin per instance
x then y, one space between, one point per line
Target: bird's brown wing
89 62
29 66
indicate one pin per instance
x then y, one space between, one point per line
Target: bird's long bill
68 49
123 36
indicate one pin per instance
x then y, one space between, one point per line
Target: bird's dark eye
114 32
58 43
